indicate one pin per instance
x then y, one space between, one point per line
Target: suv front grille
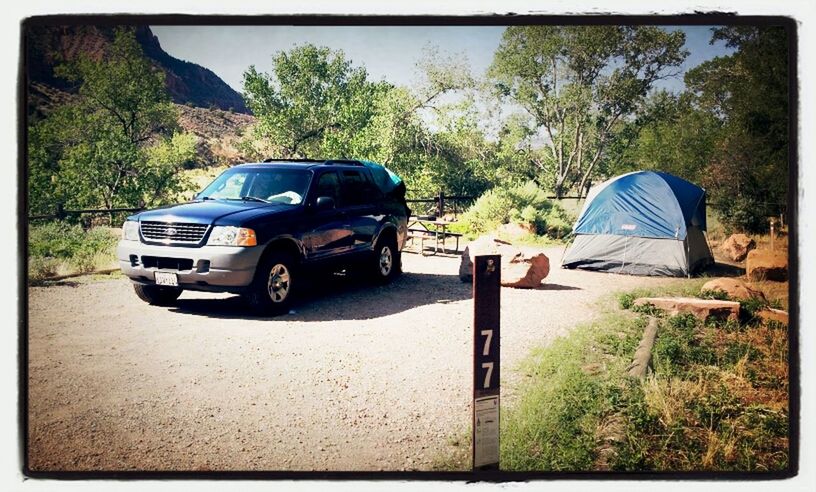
174 233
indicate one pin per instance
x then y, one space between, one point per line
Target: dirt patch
357 378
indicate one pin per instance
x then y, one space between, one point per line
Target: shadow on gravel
723 270
546 286
341 297
48 283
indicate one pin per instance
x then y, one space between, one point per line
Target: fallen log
643 355
72 275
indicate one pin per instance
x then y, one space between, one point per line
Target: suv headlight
130 230
232 236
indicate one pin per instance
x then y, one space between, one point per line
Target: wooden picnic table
436 228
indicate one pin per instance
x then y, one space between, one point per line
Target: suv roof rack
328 162
347 162
273 159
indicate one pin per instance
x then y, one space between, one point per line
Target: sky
386 52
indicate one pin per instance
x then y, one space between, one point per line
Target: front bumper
216 268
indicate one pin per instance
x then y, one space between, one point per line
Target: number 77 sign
486 303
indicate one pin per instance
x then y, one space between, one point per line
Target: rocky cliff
187 83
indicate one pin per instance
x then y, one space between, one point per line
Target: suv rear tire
276 280
157 295
386 264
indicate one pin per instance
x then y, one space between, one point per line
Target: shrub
649 310
749 309
56 243
490 211
626 300
532 216
558 225
743 213
40 268
525 204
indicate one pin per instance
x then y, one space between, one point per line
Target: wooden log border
72 275
643 354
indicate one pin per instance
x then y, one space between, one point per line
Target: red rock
737 246
700 308
525 272
764 264
519 270
770 314
734 288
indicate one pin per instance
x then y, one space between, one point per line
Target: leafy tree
579 84
43 169
747 93
396 136
313 104
461 160
102 148
159 177
519 157
671 134
435 142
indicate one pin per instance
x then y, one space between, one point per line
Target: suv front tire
273 288
386 264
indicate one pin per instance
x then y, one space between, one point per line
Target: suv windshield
267 185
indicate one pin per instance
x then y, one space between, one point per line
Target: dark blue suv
259 228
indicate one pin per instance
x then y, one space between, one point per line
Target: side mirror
195 196
324 203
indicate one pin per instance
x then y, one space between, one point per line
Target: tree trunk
559 191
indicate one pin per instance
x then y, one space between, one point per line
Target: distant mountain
187 83
217 132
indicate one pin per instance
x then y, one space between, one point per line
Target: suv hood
208 211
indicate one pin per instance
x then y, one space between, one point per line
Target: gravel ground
357 378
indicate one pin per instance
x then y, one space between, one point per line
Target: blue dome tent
642 223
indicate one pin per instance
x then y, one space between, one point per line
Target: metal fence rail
60 213
441 200
454 202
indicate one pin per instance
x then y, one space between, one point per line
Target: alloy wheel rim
386 261
279 283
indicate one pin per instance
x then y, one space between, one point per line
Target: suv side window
329 185
357 189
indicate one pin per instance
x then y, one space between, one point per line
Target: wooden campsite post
440 212
486 305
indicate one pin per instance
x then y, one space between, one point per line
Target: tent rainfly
642 223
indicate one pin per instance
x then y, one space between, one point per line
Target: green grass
59 248
717 399
573 386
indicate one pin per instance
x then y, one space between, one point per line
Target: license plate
165 278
